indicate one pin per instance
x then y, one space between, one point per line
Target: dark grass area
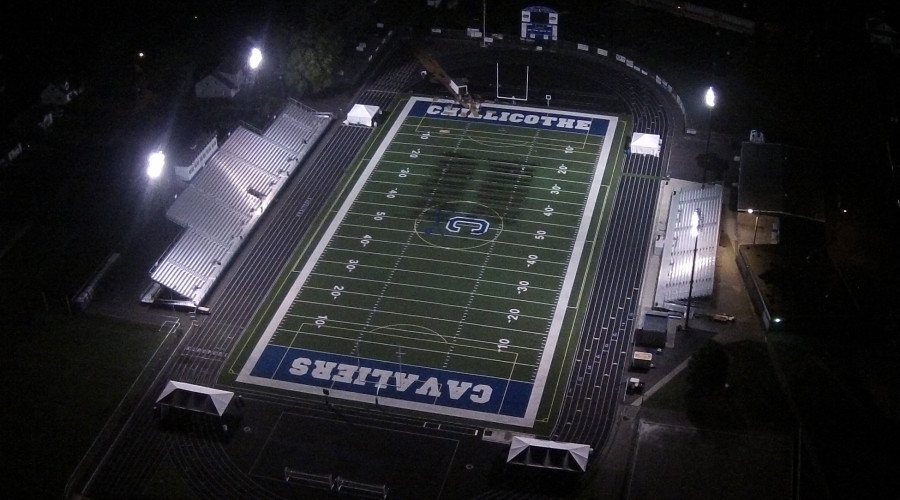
848 441
168 482
60 388
752 400
852 442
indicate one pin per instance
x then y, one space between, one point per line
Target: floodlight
695 223
255 58
750 211
711 97
155 164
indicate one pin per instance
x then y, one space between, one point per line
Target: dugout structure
448 274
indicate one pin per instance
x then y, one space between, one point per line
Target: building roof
187 153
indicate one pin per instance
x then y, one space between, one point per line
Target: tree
707 403
713 164
314 54
708 368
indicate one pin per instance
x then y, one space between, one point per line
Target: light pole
710 103
695 232
755 224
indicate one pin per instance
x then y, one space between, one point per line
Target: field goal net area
448 274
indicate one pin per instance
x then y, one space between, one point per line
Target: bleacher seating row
678 254
227 197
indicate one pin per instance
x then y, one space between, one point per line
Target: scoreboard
539 23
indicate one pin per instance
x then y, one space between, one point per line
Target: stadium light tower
755 224
255 58
155 163
710 100
695 233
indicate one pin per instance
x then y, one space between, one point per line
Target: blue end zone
408 383
520 117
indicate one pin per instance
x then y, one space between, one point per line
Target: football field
447 277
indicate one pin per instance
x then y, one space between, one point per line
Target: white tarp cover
362 114
550 454
645 144
195 398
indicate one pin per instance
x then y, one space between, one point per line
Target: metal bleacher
678 257
229 195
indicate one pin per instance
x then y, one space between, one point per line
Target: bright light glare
255 58
750 211
711 97
777 320
695 223
155 164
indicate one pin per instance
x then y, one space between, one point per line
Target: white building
194 157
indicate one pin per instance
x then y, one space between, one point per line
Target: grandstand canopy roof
196 398
548 454
780 179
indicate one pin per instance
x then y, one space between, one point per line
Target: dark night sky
46 40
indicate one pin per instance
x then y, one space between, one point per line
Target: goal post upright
512 97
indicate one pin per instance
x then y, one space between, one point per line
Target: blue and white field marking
423 302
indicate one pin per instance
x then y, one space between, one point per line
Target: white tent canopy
362 114
196 398
645 144
548 454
